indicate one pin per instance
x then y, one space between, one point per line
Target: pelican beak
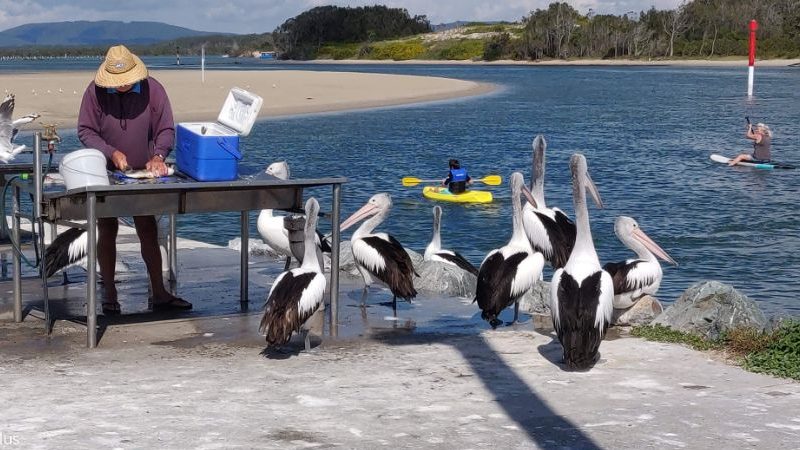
652 246
590 186
529 196
365 211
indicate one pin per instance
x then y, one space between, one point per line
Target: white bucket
86 167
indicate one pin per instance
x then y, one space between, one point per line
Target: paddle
491 180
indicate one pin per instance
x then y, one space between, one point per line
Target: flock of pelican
583 294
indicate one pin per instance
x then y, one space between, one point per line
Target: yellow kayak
444 195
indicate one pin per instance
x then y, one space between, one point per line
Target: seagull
26 119
8 151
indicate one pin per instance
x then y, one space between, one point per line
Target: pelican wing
580 306
389 262
67 249
456 259
566 239
294 297
495 278
632 275
6 127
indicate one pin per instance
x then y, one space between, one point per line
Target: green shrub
397 50
461 49
781 357
338 51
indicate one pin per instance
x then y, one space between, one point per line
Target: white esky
260 16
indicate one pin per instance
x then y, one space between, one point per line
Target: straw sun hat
120 68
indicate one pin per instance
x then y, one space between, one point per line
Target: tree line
696 29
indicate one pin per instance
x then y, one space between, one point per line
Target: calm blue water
647 134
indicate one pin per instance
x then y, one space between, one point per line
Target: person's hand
119 160
156 166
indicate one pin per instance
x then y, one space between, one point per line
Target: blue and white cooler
209 151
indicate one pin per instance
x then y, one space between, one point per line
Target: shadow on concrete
546 428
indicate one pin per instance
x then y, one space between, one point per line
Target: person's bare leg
147 230
107 257
738 159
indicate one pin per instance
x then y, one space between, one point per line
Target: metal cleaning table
181 197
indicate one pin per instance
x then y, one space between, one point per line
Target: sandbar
57 95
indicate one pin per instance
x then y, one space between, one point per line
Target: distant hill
101 33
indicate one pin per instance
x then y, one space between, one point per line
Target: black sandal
111 308
174 304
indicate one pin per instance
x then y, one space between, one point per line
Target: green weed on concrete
781 356
775 353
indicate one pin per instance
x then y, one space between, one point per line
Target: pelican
434 251
298 293
67 250
8 151
270 226
634 278
380 255
549 230
581 293
508 272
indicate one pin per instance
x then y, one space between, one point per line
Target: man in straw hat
126 115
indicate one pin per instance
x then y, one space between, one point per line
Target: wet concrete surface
434 376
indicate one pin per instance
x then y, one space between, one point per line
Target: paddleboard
442 194
764 166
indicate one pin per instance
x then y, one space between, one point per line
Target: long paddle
491 180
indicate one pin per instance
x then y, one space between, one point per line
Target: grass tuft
660 333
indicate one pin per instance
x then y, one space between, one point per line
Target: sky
260 16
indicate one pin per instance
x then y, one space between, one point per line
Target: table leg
17 269
91 271
172 253
43 275
337 200
245 253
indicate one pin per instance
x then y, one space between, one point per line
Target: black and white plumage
549 230
380 255
581 293
271 226
435 252
66 250
8 151
297 293
636 277
508 272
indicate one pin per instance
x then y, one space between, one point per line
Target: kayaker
762 137
457 178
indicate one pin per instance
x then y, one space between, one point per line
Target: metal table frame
93 202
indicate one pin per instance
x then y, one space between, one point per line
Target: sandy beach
728 62
57 96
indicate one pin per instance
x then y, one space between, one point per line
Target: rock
709 308
537 299
257 247
445 279
642 312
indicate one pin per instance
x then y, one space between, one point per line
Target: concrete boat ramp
434 376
